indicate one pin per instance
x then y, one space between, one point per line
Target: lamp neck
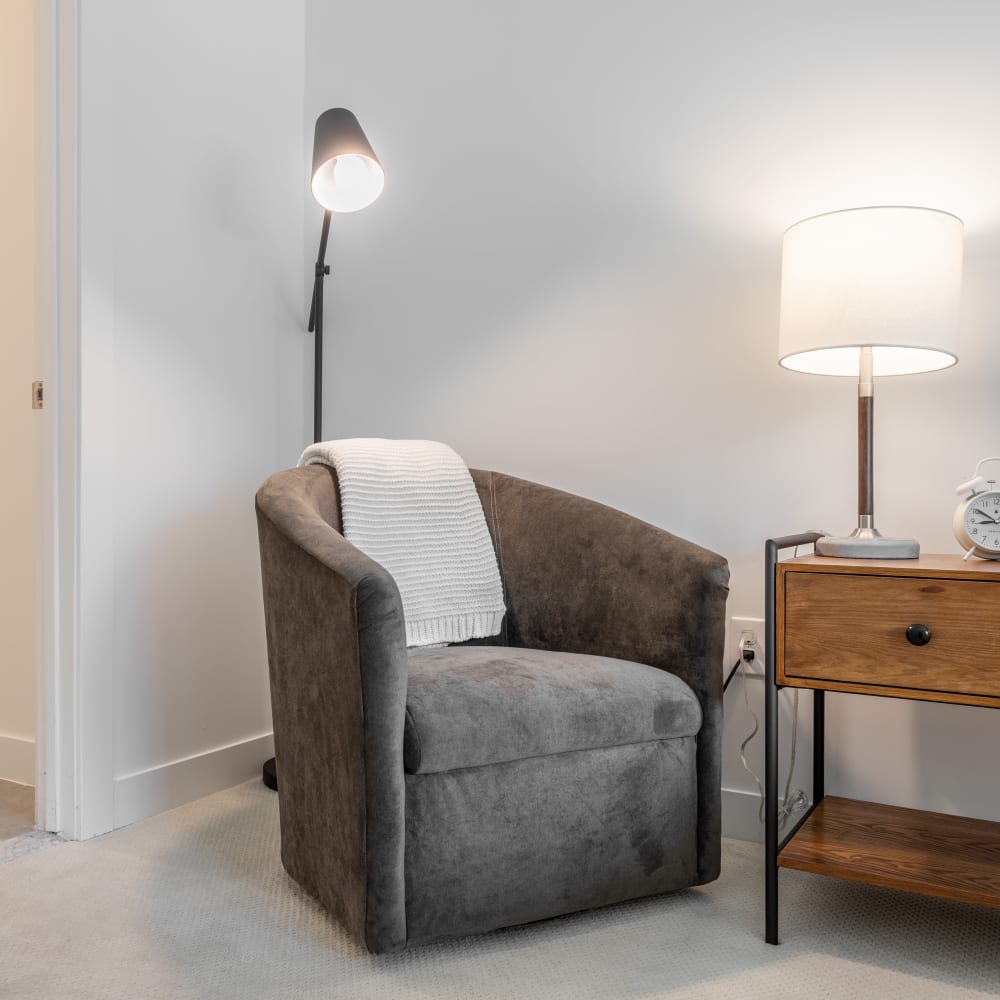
316 324
866 376
324 235
866 422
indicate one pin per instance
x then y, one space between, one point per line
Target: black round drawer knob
919 635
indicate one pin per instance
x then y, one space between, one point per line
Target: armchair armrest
582 577
338 668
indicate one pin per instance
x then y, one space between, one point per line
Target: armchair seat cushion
469 706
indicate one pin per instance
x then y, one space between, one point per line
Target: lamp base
867 543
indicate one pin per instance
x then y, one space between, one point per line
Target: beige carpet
195 904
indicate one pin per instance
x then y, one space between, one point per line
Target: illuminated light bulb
348 183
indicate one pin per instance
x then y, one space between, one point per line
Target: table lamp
870 292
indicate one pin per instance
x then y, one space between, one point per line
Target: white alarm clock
977 517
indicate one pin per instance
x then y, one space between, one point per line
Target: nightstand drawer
852 629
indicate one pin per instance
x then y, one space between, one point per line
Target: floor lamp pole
316 323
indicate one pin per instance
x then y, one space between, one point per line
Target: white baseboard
17 760
146 793
740 811
741 816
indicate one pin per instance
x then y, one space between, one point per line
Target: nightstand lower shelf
931 853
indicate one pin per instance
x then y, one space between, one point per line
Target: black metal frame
316 323
772 848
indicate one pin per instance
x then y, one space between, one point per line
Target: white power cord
793 802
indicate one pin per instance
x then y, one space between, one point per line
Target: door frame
74 743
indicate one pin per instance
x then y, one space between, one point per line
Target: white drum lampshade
888 278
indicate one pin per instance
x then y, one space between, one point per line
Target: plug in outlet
752 629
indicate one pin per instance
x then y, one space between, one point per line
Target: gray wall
573 276
193 359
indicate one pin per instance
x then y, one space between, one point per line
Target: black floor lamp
346 177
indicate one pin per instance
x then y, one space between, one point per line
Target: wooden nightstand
927 629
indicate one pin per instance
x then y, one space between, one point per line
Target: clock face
982 521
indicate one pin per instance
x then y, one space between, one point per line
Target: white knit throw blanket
412 507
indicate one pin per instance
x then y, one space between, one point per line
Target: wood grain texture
931 853
853 628
866 421
842 625
881 691
945 565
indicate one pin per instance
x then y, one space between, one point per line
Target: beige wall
17 362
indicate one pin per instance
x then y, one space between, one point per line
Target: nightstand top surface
932 564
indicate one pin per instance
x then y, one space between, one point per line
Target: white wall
17 370
573 276
192 163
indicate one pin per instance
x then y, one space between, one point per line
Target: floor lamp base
867 543
269 774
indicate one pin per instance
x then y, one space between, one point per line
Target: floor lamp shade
868 292
346 173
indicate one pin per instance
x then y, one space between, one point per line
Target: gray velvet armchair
570 762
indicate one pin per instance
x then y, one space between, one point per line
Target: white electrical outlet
752 628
